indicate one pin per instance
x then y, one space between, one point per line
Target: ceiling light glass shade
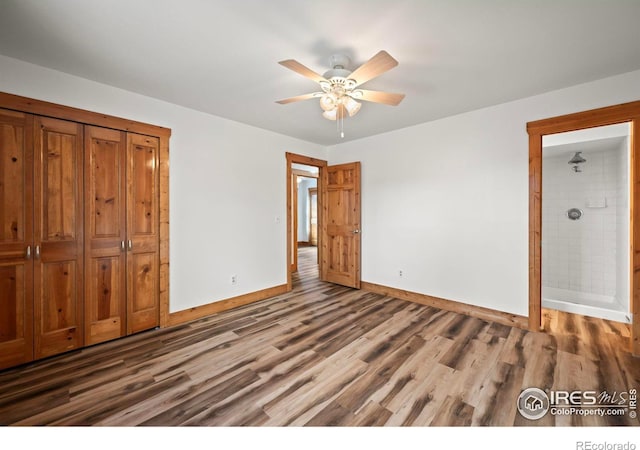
328 102
352 106
331 115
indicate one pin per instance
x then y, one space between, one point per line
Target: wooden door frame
292 246
611 115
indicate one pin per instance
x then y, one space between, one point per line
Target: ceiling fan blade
299 98
377 65
387 98
302 70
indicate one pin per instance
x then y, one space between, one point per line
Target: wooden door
313 216
340 261
58 230
142 233
105 234
16 238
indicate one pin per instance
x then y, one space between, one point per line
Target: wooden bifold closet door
143 244
105 228
79 228
41 237
121 223
58 230
16 236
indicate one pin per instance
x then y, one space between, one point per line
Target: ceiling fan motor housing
339 61
339 67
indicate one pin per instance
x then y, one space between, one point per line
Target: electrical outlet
400 273
234 279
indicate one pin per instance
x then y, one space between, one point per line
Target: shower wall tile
581 255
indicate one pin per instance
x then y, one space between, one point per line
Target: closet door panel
16 238
106 178
143 153
16 160
142 269
60 146
16 313
105 227
13 283
58 255
143 260
59 305
105 306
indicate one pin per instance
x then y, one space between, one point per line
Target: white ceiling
220 56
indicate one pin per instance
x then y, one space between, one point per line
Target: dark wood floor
324 355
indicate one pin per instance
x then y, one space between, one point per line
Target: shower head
577 159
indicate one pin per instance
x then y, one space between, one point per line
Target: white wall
446 202
227 185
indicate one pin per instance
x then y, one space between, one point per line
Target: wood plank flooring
324 355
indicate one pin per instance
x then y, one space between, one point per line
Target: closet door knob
37 252
122 245
130 245
28 252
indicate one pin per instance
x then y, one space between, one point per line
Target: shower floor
584 303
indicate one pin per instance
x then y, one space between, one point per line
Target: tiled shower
585 223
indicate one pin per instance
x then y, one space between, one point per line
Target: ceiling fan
340 87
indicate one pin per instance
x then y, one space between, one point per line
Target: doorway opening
585 222
304 218
627 113
305 214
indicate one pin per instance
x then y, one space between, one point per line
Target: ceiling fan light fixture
331 115
328 102
352 106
